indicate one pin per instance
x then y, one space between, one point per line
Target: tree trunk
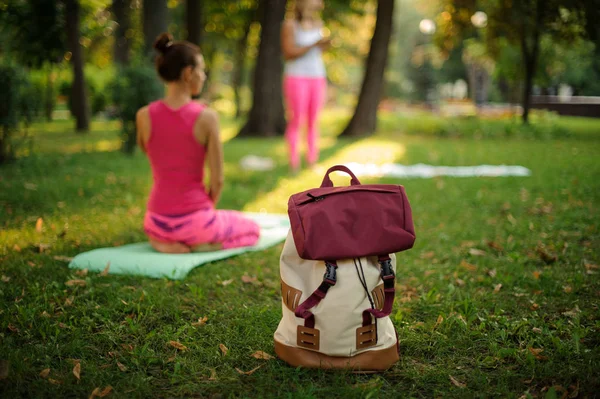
50 97
530 59
267 115
194 21
527 88
81 108
364 120
239 67
155 15
122 12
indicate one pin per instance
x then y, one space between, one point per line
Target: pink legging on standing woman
304 97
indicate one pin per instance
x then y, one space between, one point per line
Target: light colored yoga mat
428 171
140 259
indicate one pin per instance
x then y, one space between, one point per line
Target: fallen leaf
95 392
457 383
248 372
41 247
226 282
69 301
62 325
495 245
439 321
44 373
427 255
45 314
428 273
492 273
16 248
121 367
213 375
77 371
497 288
575 389
53 381
534 306
177 345
537 274
477 252
590 267
31 264
536 330
12 328
224 349
63 258
39 224
82 273
417 325
4 369
247 279
172 358
106 269
20 297
537 353
73 283
262 355
5 279
511 219
572 313
468 266
201 321
546 256
127 347
98 393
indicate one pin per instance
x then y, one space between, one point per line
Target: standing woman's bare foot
169 247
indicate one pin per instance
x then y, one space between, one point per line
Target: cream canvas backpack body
338 275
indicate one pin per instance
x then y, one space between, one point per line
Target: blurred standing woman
305 82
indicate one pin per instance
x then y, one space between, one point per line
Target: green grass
472 317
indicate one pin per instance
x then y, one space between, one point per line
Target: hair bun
163 42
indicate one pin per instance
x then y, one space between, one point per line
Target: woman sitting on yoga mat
179 134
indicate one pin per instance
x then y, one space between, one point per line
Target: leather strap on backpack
389 289
329 280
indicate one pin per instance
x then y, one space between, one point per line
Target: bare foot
170 247
206 247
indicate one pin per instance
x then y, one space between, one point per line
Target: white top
309 65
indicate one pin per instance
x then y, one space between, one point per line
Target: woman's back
177 160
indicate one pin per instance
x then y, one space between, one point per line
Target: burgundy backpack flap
330 223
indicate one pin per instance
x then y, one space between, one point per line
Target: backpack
337 272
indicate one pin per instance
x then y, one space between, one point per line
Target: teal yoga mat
140 259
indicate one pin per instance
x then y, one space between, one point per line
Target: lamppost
428 28
479 65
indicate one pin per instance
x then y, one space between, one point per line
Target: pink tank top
177 160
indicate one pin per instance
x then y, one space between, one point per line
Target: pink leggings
207 226
305 98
